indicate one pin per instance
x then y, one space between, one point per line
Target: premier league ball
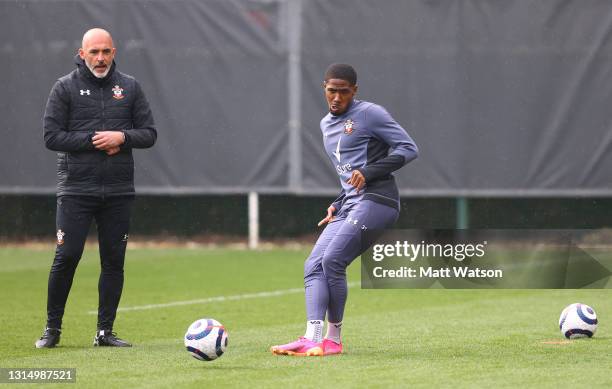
578 321
206 339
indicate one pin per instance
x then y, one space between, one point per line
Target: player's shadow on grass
72 347
367 353
221 366
593 339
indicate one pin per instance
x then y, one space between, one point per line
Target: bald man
94 117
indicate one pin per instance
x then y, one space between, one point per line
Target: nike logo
337 152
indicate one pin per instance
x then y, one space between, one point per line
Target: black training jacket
81 104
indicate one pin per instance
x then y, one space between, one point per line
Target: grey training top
368 139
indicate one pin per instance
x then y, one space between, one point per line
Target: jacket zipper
104 167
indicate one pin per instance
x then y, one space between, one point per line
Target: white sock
314 330
333 331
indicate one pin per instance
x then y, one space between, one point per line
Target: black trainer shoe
107 338
50 337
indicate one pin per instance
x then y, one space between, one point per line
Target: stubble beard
96 74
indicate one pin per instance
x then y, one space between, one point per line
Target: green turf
397 338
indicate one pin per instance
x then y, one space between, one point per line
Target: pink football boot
331 348
300 348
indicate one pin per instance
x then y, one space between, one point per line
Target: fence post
253 220
463 213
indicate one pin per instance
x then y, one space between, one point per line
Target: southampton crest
118 92
60 237
348 126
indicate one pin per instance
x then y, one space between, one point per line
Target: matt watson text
430 272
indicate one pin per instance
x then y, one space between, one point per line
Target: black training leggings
73 219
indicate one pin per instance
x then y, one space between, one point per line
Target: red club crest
118 92
348 126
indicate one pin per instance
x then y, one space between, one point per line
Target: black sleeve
55 124
387 130
143 134
382 167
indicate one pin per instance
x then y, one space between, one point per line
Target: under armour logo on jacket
84 92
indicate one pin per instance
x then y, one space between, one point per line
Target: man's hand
108 140
112 151
357 180
329 217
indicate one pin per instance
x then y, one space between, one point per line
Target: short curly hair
341 71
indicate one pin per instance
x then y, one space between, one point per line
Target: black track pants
73 219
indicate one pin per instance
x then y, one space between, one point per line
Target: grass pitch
393 338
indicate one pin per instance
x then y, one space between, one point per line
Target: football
206 339
578 321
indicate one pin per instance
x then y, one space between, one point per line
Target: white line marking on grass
246 296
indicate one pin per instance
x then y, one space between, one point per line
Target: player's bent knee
333 267
312 270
